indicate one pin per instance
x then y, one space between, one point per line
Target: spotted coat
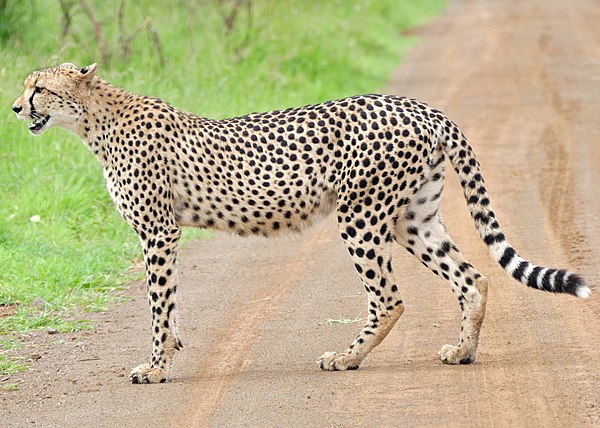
376 160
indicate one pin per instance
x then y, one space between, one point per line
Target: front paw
451 354
332 361
146 374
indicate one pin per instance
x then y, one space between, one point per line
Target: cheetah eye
37 90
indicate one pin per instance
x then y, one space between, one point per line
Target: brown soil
523 80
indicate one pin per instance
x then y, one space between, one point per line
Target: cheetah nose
17 109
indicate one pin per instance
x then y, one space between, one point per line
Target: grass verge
63 247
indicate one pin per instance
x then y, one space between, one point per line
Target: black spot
351 231
491 238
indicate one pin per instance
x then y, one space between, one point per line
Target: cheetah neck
104 110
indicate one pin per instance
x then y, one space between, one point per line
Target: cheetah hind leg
430 243
374 266
371 335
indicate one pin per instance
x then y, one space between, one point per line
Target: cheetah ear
86 73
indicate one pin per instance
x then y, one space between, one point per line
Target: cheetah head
55 97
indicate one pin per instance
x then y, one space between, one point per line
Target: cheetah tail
467 167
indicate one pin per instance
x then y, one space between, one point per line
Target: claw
146 374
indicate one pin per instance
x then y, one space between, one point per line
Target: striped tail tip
539 277
559 281
573 284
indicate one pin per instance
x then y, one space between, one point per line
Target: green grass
286 53
10 365
10 387
342 321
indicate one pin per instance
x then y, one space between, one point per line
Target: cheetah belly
258 215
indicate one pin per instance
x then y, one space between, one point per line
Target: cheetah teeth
39 123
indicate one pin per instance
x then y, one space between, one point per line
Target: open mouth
38 123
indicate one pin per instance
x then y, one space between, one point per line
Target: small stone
39 303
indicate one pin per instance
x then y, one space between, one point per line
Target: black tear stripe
31 107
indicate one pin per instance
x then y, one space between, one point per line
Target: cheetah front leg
160 252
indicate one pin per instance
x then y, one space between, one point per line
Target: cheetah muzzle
378 161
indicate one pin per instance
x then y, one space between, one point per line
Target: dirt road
522 78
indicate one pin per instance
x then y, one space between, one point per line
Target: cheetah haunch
378 161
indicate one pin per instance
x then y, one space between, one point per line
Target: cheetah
376 160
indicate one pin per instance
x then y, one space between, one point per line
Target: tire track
227 358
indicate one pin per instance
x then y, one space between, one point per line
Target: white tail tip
583 292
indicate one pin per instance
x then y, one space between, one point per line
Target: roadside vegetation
63 247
